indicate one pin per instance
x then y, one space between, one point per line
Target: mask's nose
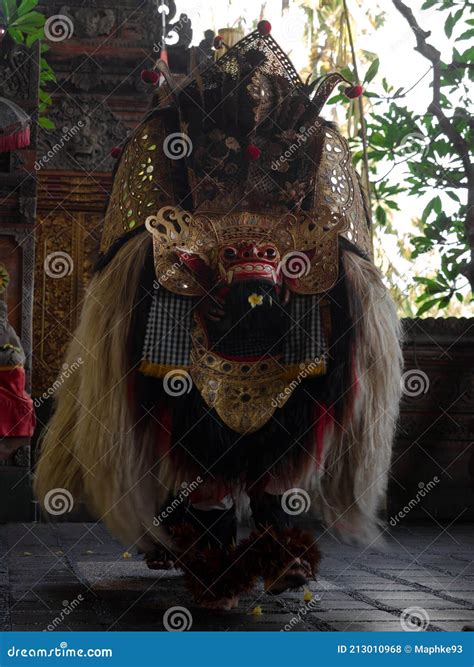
248 252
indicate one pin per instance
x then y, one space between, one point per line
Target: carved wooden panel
435 443
66 249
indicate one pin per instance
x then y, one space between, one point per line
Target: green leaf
336 98
372 71
33 19
432 287
44 96
453 196
426 306
347 72
467 35
433 205
46 123
26 6
451 22
9 9
449 25
444 301
381 215
34 37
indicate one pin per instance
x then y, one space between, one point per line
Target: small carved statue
17 417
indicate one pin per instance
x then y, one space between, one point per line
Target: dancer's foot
293 576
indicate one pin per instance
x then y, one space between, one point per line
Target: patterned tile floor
74 577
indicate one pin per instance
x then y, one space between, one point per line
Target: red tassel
15 140
253 151
116 152
264 27
150 76
218 42
353 91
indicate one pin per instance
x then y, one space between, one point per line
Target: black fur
202 440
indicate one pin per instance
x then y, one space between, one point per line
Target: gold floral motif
244 394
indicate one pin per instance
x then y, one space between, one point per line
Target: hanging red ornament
116 152
353 91
218 42
253 151
150 76
264 27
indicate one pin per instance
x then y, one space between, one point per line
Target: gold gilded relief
66 250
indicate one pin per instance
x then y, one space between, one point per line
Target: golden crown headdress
243 138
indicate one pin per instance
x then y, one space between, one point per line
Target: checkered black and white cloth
168 330
305 340
170 323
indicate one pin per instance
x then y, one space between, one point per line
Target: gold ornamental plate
244 394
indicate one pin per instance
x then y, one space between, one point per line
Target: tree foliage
410 153
25 26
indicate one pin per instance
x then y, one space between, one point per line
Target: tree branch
459 143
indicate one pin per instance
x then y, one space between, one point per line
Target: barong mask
240 182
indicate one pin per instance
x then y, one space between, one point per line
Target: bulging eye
230 253
270 253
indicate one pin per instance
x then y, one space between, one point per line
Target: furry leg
214 574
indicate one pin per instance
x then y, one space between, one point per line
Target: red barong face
249 261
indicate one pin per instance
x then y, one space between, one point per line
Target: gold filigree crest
337 186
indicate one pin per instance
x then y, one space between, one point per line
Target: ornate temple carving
85 131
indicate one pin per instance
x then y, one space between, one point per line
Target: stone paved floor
75 577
